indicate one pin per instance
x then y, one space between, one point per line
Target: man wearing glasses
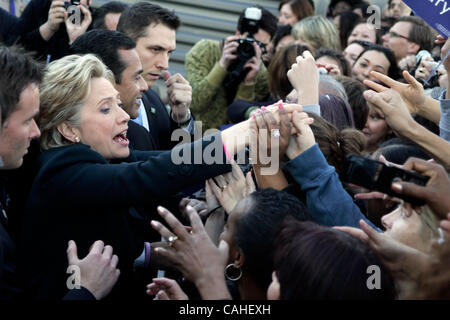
211 70
408 36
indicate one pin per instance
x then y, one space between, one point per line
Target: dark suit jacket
78 195
8 27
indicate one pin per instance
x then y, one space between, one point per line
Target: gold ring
172 240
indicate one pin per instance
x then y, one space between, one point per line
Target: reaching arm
390 103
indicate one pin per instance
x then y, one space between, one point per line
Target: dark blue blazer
77 195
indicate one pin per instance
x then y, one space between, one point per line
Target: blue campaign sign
435 12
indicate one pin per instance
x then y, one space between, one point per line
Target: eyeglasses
393 34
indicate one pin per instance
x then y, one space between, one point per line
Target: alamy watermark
374 280
74 280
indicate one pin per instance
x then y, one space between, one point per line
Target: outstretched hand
436 191
194 254
412 92
303 139
166 289
304 77
391 105
231 187
98 269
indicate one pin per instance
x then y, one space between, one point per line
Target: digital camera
245 50
378 176
67 4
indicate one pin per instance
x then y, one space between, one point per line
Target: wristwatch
184 123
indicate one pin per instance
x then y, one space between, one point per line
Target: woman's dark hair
268 21
363 6
300 8
394 71
283 30
336 144
336 55
347 21
317 262
355 93
398 150
282 61
337 111
255 230
378 33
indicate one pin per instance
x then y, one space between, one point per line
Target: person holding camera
222 72
48 27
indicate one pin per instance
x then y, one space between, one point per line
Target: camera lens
246 50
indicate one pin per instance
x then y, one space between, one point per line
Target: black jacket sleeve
145 175
79 294
9 27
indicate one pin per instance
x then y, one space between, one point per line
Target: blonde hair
63 91
317 32
430 223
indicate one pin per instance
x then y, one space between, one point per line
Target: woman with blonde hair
90 186
316 32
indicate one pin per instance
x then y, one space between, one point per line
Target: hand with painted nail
270 136
436 191
303 138
166 289
194 254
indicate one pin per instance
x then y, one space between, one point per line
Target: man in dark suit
154 30
118 53
19 104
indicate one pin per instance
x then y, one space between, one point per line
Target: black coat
9 27
79 196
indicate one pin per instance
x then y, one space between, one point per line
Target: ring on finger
172 240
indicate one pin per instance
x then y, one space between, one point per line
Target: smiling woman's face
370 61
104 123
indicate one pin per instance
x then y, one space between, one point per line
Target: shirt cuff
312 108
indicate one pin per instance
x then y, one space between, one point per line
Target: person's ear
413 48
69 132
239 258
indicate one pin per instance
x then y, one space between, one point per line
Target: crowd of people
313 163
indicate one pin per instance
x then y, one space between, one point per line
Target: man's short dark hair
109 7
268 22
135 19
420 32
105 44
17 70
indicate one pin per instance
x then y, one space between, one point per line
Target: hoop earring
231 277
